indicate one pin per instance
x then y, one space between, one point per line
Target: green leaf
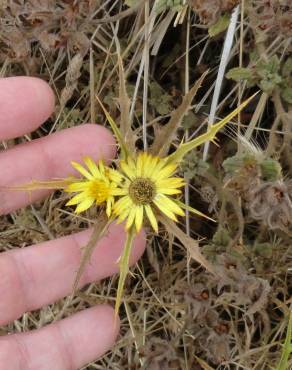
239 73
190 120
219 26
263 249
162 5
159 99
270 66
131 3
283 364
221 237
271 169
270 82
287 68
268 72
287 94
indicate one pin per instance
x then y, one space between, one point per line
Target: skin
38 275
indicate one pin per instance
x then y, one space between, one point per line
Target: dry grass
175 315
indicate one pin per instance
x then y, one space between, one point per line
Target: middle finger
38 275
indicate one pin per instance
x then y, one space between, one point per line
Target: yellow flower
146 189
97 186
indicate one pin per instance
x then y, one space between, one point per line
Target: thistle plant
141 188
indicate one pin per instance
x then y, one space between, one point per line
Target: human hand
38 275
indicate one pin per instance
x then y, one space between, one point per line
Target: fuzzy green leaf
268 84
131 3
287 68
239 73
271 66
159 99
220 26
162 5
271 169
287 94
268 72
190 120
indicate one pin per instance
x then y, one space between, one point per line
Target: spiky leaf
98 232
165 137
193 210
117 132
184 148
43 185
124 267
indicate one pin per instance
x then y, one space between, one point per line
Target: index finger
25 103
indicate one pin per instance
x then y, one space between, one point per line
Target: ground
175 314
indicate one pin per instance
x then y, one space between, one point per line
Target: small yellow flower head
96 187
146 188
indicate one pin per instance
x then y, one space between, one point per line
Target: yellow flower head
146 188
97 186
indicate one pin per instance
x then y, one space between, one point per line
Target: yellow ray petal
92 167
152 166
123 215
139 165
131 217
119 191
168 191
139 217
151 217
160 205
146 164
77 186
77 199
87 203
160 164
172 182
127 170
171 205
82 170
109 203
123 204
114 175
165 172
101 168
131 163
